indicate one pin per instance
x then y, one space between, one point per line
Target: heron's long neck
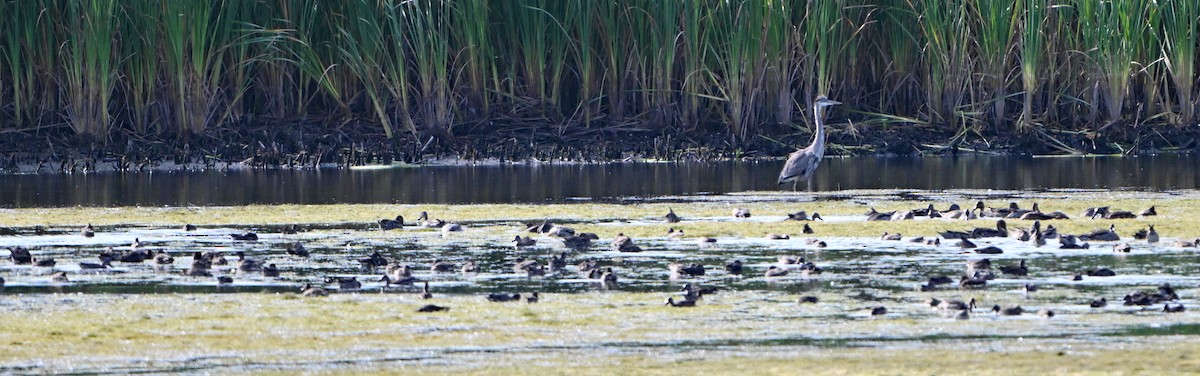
819 136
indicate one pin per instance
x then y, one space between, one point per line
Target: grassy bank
1063 73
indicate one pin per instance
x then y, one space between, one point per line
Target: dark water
556 183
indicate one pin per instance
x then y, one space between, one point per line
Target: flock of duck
976 272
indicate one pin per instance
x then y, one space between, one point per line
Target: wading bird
801 164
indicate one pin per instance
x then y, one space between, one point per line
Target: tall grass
729 68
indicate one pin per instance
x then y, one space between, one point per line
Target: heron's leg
809 184
794 183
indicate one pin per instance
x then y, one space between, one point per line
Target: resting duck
741 213
310 290
671 217
88 231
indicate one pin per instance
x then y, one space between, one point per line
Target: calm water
556 183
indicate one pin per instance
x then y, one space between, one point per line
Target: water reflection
551 183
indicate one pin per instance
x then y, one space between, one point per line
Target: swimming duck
533 297
1045 313
951 305
972 282
200 266
962 315
270 271
1070 242
778 237
500 298
224 280
247 236
296 249
965 243
741 213
940 280
790 260
1028 288
734 267
531 268
815 243
624 243
391 224
20 256
879 311
1011 311
808 299
44 262
558 262
425 294
989 250
397 274
1148 212
577 242
803 216
1122 248
671 217
1101 272
1019 270
775 271
689 270
88 231
104 264
1152 236
874 215
561 231
683 303
1094 212
310 290
1099 303
608 279
189 227
806 229
1187 243
292 229
1176 309
451 227
523 241
977 265
998 212
163 258
672 233
215 258
247 265
706 240
59 277
433 223
887 236
903 215
587 267
373 261
441 266
925 212
346 283
432 308
469 267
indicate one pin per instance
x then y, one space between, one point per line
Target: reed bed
740 70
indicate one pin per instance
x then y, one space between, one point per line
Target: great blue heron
801 164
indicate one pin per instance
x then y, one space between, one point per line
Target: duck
433 223
200 266
965 243
313 291
247 236
247 265
1101 272
803 216
1122 248
1045 313
530 267
587 269
59 277
163 258
432 308
469 267
1019 270
451 227
189 227
391 224
734 267
88 231
962 315
806 229
1120 214
989 250
887 236
951 305
999 212
925 212
1152 236
741 213
1000 231
577 242
778 237
874 215
533 297
48 262
671 217
397 274
691 292
104 264
425 294
523 241
672 233
442 266
224 280
879 311
500 298
561 231
20 256
1099 303
903 215
689 270
814 242
1071 242
1011 311
775 271
346 283
1176 309
270 271
297 249
293 229
608 280
373 261
972 282
623 243
981 264
808 299
1093 212
682 303
1148 212
215 258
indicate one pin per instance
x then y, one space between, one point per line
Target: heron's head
822 101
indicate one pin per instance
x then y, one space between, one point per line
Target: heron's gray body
802 163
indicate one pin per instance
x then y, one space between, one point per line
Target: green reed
1179 25
995 27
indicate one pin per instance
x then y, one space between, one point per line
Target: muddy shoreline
299 144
